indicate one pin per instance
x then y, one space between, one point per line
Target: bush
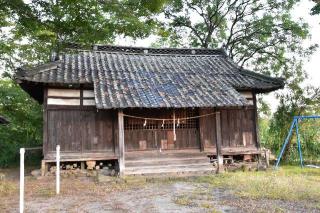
25 117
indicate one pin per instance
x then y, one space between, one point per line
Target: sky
313 65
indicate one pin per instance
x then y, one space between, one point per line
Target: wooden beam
218 143
121 142
64 92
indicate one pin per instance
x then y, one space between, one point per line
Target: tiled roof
135 77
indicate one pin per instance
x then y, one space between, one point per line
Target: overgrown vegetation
287 183
275 128
25 117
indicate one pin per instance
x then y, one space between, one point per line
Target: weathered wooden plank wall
83 129
207 127
238 127
80 130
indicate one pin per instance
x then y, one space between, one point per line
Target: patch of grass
206 205
210 208
184 200
45 192
288 183
132 180
7 187
279 210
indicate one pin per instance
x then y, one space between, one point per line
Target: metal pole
299 143
22 151
58 170
286 142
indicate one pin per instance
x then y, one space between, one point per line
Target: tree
258 34
316 8
43 26
25 117
6 41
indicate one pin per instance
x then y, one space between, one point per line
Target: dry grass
288 183
184 200
7 188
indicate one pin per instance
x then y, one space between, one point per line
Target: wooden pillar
218 144
44 168
121 142
82 165
202 125
45 124
256 121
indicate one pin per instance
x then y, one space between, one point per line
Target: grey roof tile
124 77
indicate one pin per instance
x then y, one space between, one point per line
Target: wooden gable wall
80 129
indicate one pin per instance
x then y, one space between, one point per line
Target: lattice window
136 123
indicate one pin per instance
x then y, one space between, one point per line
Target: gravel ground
136 195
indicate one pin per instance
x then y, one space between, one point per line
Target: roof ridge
37 69
262 76
148 50
153 50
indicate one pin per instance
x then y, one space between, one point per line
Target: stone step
166 161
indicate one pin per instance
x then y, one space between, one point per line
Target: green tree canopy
261 35
41 26
316 8
25 117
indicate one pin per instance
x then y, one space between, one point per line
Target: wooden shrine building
153 110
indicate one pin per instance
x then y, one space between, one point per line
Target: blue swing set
295 124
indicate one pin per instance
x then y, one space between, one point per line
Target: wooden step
158 155
169 170
166 161
190 165
154 162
